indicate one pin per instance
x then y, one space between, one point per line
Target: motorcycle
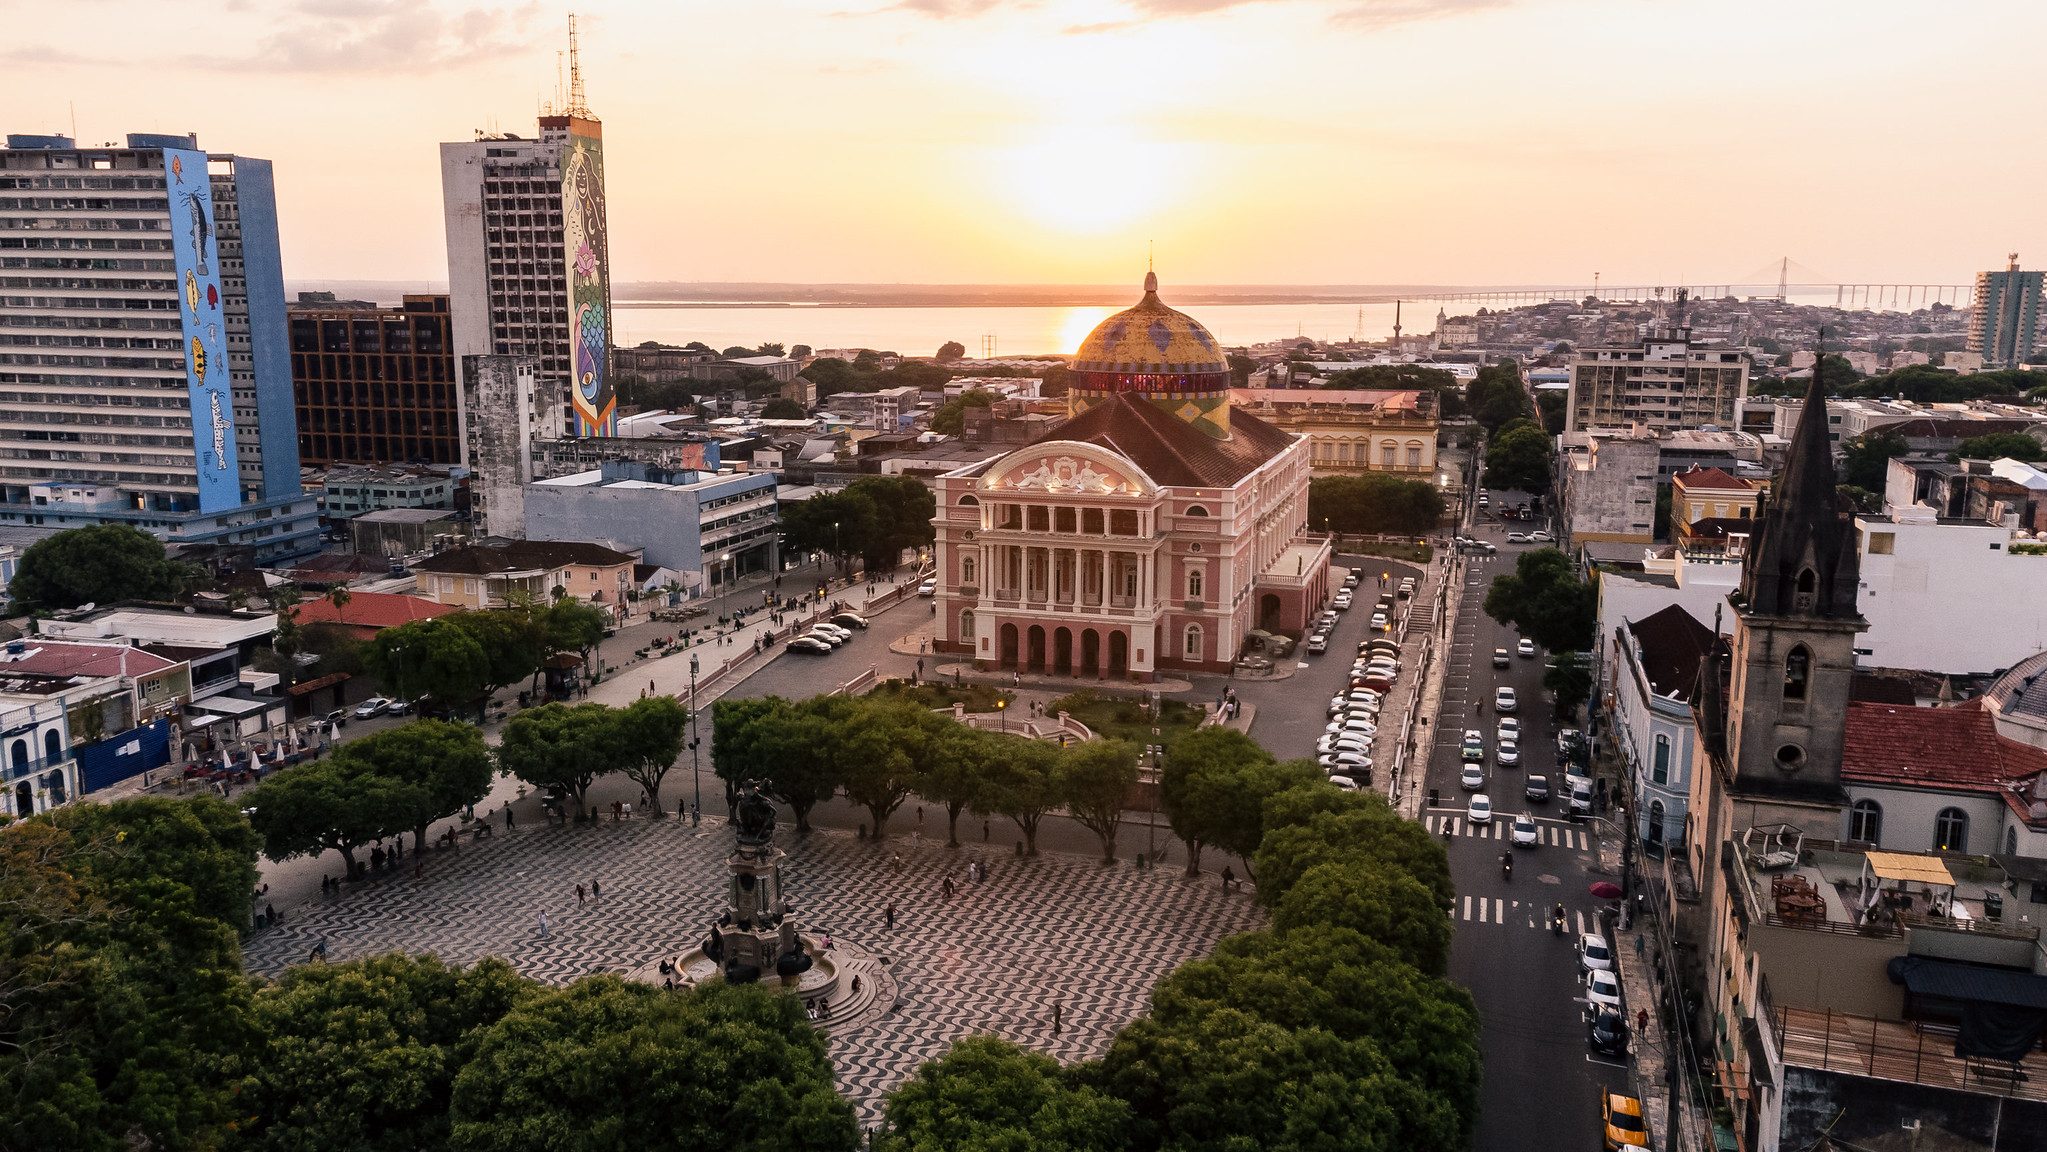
1556 920
1506 866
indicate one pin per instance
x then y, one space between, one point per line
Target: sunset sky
1008 141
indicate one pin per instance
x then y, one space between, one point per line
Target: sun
1078 323
1081 177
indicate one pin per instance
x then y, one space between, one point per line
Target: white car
1473 777
1508 754
1504 701
1509 729
928 588
1343 742
1342 601
1345 783
1517 537
1379 622
832 629
1594 954
1480 810
1540 537
1525 835
1358 724
828 639
1603 991
1336 704
371 708
1352 763
1526 648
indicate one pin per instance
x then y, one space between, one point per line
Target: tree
951 417
1867 458
1569 680
363 1055
989 1095
1207 795
787 747
1552 405
287 638
903 508
735 351
559 746
603 1064
101 564
770 348
1497 397
1520 458
1375 502
1021 784
339 803
1093 781
646 740
961 761
783 408
429 658
2015 445
838 524
950 351
1545 601
831 375
1379 901
513 642
573 626
445 767
1836 374
1317 824
875 748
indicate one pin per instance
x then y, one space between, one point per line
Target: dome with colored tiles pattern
1152 340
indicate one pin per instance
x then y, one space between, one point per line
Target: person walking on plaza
888 915
1058 1017
508 816
596 893
1229 877
543 924
580 896
1641 1021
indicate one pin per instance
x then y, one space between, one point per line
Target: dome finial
1151 278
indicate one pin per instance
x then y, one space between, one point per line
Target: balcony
1910 1053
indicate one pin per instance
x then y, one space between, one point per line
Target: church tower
1793 650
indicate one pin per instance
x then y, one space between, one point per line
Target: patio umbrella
1606 890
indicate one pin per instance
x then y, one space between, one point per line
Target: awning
314 685
1911 868
1924 976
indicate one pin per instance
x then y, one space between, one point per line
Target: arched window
2011 841
1194 584
1660 773
1951 831
1196 510
966 624
1655 830
1866 822
969 569
53 746
1193 646
970 499
1797 671
17 752
1807 585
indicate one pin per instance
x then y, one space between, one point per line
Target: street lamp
1002 713
695 738
1151 826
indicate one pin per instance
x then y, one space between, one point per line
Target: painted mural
196 256
589 287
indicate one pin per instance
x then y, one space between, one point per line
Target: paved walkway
995 959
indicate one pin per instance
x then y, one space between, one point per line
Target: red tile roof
1170 450
371 610
1954 748
1712 478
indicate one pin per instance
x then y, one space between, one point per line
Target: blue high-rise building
145 358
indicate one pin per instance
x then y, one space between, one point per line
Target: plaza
994 959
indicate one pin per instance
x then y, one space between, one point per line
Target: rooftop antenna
1396 321
73 105
577 105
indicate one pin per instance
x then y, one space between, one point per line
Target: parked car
338 717
1345 783
1379 646
832 630
1602 990
1517 537
828 639
1504 701
1480 810
1342 601
1607 1034
399 708
1581 796
852 620
1594 953
1536 788
372 708
1379 622
808 646
1526 648
928 588
1525 835
1540 537
1318 643
1621 1117
1500 658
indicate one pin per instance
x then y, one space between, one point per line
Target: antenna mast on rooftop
578 106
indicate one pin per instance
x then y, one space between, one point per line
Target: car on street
1505 701
1484 501
1517 537
1344 782
1507 753
1508 729
1526 648
1594 953
1622 1118
1350 577
1342 601
1473 777
1318 643
1607 1034
1379 646
1525 835
808 646
1473 749
828 639
1379 622
372 708
1361 725
338 717
399 708
1536 788
1483 547
1581 796
1540 537
853 620
1602 990
1480 810
928 588
1500 658
840 631
1353 764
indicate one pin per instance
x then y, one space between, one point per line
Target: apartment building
375 385
1664 381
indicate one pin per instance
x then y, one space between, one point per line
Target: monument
757 935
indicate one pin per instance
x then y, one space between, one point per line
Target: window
1389 454
1807 582
1882 543
1194 584
967 570
1196 510
53 746
1193 648
2011 841
970 499
1951 831
1660 773
1414 454
1866 822
1797 670
18 753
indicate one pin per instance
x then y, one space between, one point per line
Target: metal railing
1894 1050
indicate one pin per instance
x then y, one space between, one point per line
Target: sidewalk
1636 951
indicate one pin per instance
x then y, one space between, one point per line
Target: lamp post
695 767
1158 781
1002 713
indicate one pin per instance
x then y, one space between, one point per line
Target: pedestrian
614 811
581 896
920 667
984 831
1058 1018
696 814
1638 946
1641 1020
1229 877
888 915
920 815
543 924
856 985
628 810
508 816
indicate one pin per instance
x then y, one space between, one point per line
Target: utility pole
695 738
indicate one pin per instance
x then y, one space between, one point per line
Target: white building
1663 382
1651 708
38 770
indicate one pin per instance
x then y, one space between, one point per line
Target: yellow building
497 573
1351 432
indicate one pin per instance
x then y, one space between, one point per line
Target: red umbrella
1606 890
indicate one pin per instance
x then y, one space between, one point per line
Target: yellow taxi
1624 1126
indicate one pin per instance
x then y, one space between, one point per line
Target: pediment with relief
1066 473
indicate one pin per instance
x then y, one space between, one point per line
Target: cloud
383 36
1354 13
1385 13
1103 26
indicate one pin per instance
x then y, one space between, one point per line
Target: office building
145 376
528 259
375 385
2005 322
1663 382
716 527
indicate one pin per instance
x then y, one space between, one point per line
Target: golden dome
1151 339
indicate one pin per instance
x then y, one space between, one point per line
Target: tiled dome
1151 339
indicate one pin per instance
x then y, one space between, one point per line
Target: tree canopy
431 658
988 1095
1521 458
1544 600
1214 788
560 746
101 564
1867 458
1093 779
1375 502
783 408
2015 445
951 416
1497 397
950 350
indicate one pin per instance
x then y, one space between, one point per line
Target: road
1541 1080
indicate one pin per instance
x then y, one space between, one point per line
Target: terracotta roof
1170 450
1718 527
1671 646
371 610
58 658
1712 478
1955 748
493 557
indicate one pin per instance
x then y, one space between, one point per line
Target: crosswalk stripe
1482 906
1499 911
1581 923
1467 907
